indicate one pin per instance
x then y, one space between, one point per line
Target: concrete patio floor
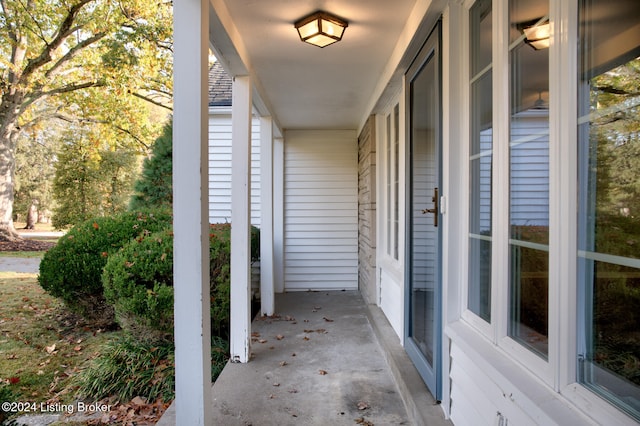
324 358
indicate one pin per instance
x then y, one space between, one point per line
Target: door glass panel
529 179
424 241
609 200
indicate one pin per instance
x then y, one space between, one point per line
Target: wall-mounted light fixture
321 29
537 33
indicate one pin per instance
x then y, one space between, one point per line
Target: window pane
396 180
480 161
528 179
480 36
529 297
609 200
388 185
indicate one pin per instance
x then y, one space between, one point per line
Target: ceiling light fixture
321 28
537 33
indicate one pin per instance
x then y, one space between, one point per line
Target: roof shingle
219 86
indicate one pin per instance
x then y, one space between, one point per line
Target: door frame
432 48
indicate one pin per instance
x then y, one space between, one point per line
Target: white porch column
278 215
191 223
241 219
266 203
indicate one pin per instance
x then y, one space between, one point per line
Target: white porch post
278 214
241 219
190 226
266 203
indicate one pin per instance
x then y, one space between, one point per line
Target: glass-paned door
423 328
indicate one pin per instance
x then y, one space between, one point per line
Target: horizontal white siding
488 388
320 210
530 169
220 169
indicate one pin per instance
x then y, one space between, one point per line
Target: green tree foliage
81 61
35 159
154 187
617 135
91 180
614 165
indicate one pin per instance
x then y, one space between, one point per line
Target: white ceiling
307 87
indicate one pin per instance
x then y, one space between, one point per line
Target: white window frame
487 329
392 192
559 371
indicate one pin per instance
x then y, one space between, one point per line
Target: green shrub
72 269
220 273
138 282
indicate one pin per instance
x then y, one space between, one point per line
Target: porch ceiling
306 87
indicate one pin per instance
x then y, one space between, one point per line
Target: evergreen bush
154 187
138 282
72 269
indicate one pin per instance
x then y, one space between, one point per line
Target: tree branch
63 32
73 52
121 129
40 31
70 119
615 90
11 29
150 100
66 89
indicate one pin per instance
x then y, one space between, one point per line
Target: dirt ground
26 245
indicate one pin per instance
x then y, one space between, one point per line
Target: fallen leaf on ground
50 349
362 421
138 401
283 363
322 372
327 319
279 337
262 341
362 405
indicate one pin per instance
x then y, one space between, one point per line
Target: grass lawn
41 344
22 254
39 227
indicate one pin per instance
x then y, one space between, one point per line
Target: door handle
434 210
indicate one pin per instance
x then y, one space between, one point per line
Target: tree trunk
9 110
7 161
32 217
